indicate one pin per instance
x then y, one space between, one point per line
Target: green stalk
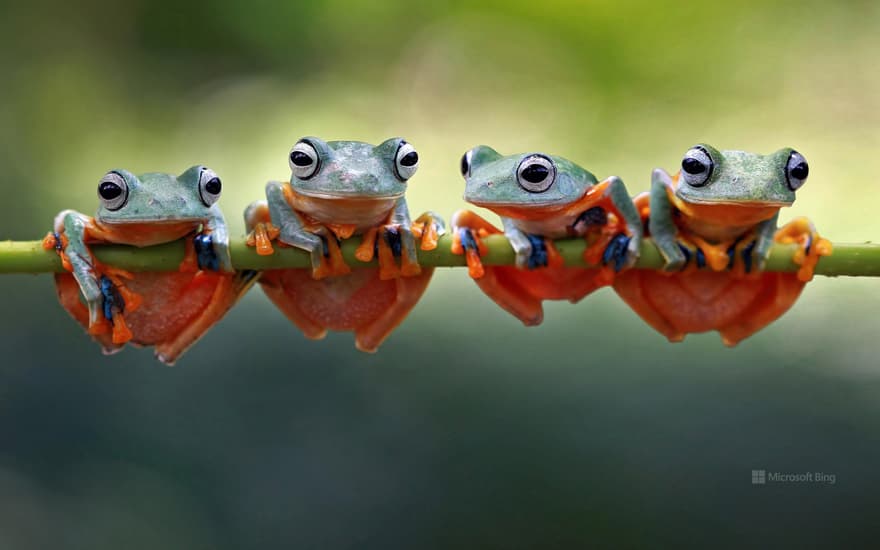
853 260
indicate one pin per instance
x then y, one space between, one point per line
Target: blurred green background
465 429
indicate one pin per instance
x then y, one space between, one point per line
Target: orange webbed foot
427 228
811 246
261 238
469 229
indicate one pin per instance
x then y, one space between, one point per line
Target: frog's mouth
745 203
347 196
155 221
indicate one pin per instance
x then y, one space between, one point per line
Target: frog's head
709 176
156 197
528 179
352 169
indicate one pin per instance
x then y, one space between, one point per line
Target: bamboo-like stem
854 260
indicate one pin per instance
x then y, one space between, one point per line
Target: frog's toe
428 228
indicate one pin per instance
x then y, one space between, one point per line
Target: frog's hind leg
632 287
408 292
226 293
779 293
279 286
503 284
69 297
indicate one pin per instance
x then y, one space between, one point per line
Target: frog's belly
171 301
700 301
348 302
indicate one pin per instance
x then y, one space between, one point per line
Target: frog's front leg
663 230
760 250
292 231
74 226
212 244
399 228
261 230
532 251
627 256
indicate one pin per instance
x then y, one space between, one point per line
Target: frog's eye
406 161
209 186
466 164
113 191
696 167
536 173
796 171
304 160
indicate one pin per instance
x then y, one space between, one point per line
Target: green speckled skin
159 197
742 177
353 168
487 165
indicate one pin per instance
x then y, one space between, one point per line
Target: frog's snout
364 180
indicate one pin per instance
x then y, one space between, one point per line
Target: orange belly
359 301
699 301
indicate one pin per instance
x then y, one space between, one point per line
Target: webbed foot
428 228
811 246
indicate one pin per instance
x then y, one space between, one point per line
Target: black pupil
692 166
109 190
213 186
535 173
465 166
800 170
300 159
409 159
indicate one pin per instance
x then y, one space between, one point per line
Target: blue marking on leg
111 298
747 256
392 237
701 258
205 255
809 244
687 254
58 246
616 251
538 257
467 240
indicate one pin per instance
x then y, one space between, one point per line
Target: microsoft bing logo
759 477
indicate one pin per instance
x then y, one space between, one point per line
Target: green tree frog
714 223
340 189
167 310
542 197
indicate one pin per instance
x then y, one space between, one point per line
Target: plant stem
855 260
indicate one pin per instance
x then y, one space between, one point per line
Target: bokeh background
465 429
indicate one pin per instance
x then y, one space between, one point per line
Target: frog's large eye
697 166
536 173
113 191
466 163
304 160
406 161
796 171
209 186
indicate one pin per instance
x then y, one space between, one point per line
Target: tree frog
539 198
167 310
339 189
720 212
